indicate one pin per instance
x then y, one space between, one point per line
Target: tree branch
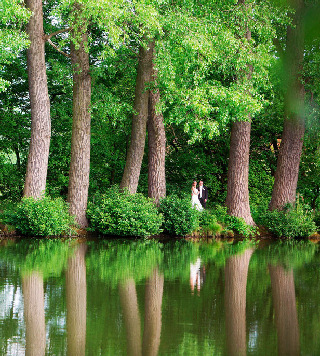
47 37
58 49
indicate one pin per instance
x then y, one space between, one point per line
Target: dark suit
204 196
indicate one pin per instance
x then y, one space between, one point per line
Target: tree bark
238 168
33 295
238 172
81 126
76 297
36 175
152 318
284 299
286 177
135 153
129 303
157 147
236 272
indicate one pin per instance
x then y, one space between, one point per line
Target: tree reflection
129 303
284 300
33 294
152 319
76 289
236 272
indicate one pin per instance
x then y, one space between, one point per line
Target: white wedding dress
195 200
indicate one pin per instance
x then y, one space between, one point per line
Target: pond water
151 298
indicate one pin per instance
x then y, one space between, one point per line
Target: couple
199 196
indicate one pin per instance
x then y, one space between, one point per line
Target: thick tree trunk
80 142
238 169
238 172
76 290
236 272
129 303
286 177
157 147
284 300
36 175
152 318
135 153
33 296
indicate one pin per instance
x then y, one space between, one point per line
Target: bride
194 197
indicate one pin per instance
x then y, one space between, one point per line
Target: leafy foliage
292 221
234 223
40 217
180 218
124 214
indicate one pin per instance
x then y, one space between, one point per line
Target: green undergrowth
39 217
294 221
121 213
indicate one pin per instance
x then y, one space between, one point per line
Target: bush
292 221
237 225
180 218
124 214
208 223
316 218
40 217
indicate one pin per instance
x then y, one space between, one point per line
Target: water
148 298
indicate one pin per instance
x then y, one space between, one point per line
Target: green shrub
180 218
124 214
316 218
237 225
292 221
208 223
40 217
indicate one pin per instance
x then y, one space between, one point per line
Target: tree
135 153
287 172
35 181
156 144
238 168
81 126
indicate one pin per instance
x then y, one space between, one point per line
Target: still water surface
149 298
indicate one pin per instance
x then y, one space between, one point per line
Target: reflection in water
284 300
129 303
76 290
32 286
152 319
82 313
197 274
236 272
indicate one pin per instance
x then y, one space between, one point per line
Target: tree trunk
284 300
238 172
36 175
76 290
152 318
135 153
33 296
157 147
129 303
238 169
236 272
286 177
80 142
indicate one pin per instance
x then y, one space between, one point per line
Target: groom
203 194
